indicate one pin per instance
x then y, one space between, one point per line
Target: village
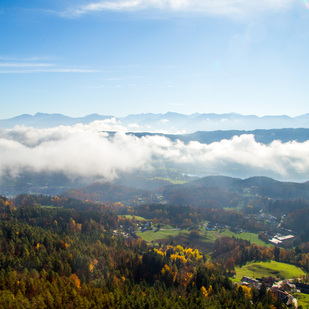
282 289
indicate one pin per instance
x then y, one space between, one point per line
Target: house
280 240
278 292
268 281
146 226
250 281
288 299
288 286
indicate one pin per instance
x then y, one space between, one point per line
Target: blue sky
132 56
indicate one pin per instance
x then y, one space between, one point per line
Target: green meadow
153 235
211 236
302 299
252 237
206 236
137 218
266 269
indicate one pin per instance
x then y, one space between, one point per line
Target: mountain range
261 136
166 123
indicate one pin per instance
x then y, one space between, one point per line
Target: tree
277 254
230 264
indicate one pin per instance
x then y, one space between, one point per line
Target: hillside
207 192
219 191
263 186
107 192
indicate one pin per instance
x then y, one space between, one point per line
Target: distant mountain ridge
261 136
43 120
168 122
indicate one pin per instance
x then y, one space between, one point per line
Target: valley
165 229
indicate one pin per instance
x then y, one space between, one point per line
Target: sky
121 57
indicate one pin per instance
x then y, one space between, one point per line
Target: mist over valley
105 150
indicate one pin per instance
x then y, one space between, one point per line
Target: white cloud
24 65
210 7
20 59
31 65
60 70
87 151
133 126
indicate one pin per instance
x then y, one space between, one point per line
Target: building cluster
280 239
283 290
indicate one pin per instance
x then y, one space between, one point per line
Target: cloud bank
209 7
89 151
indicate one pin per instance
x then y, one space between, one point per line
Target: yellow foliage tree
206 293
247 291
76 280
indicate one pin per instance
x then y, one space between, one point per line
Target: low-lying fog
89 151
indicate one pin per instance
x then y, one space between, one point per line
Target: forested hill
220 191
68 254
107 192
263 186
209 192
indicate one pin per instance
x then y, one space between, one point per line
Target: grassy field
206 236
161 234
211 236
252 237
303 300
266 269
138 218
